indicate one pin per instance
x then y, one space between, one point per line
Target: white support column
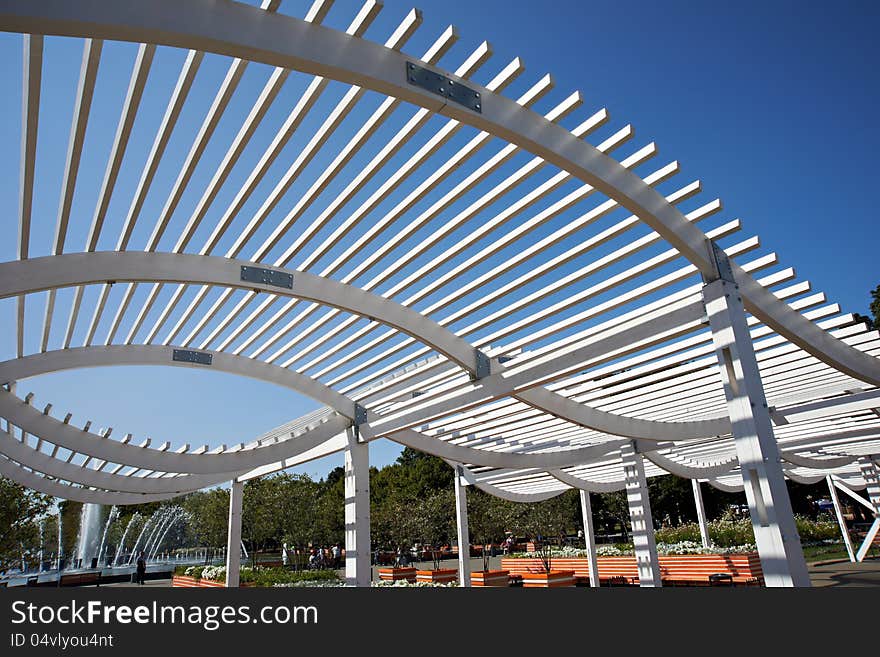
357 511
872 481
776 536
872 491
589 537
701 513
640 516
838 511
233 536
464 537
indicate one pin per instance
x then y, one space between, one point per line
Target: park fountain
137 543
89 534
175 514
120 550
114 513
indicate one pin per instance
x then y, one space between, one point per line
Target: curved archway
248 32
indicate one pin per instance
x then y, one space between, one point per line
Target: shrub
689 531
817 531
276 576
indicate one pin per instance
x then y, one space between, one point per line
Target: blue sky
770 104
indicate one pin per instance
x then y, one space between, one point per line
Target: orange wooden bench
696 569
675 569
81 579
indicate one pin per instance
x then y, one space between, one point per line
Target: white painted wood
461 524
589 537
357 512
233 536
776 536
701 513
841 521
640 516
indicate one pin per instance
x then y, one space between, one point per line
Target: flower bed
215 577
402 584
185 582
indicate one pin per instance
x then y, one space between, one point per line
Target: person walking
141 568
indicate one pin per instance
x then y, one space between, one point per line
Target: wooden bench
675 569
696 569
81 579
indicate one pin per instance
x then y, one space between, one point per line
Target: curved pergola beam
48 486
19 369
725 487
621 425
82 357
52 272
511 496
27 456
688 471
504 494
33 421
818 463
238 30
482 457
587 484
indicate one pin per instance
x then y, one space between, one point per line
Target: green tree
875 305
20 511
434 516
208 516
489 518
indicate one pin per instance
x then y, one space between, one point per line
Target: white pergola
499 280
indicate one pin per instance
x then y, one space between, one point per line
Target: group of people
320 558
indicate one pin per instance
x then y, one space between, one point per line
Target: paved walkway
866 573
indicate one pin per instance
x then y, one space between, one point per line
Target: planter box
490 578
682 569
186 582
552 580
441 576
395 574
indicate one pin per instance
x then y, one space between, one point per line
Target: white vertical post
872 490
464 539
701 513
872 481
589 537
776 536
838 511
357 511
233 535
640 516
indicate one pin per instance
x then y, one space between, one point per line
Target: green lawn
825 552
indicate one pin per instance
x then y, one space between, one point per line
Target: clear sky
771 104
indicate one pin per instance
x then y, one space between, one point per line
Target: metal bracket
267 277
444 86
187 356
483 366
360 415
721 269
